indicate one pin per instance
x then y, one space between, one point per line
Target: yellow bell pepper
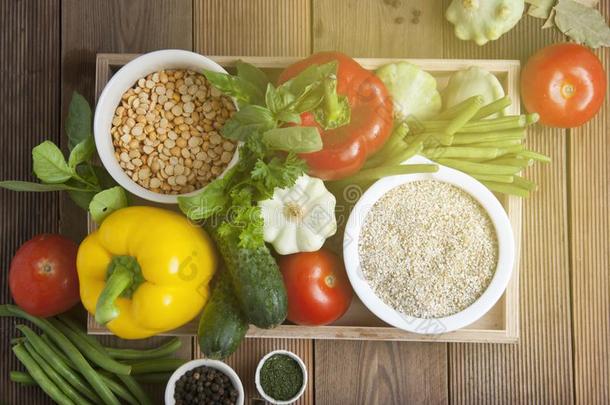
145 271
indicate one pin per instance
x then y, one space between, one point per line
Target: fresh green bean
166 349
495 136
461 152
117 388
40 376
454 110
532 118
406 154
464 116
91 346
56 351
156 366
62 384
525 183
153 378
396 141
16 341
492 108
57 363
20 377
496 144
495 124
498 178
529 154
478 168
68 348
511 161
384 171
436 138
95 356
510 189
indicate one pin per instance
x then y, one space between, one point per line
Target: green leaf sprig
269 140
84 181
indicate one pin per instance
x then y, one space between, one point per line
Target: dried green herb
281 377
583 24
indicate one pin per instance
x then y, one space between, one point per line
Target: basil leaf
252 75
582 24
82 152
211 201
234 86
294 139
288 116
312 74
310 99
278 99
16 185
104 179
79 123
49 163
82 198
106 202
248 121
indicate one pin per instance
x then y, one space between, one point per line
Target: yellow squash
145 271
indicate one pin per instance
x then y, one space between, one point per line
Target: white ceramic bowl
218 365
110 98
506 252
257 378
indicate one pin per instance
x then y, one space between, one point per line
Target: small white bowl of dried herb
281 377
157 126
429 253
204 381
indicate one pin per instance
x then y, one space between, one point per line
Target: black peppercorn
206 386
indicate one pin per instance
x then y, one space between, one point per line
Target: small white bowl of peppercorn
204 381
281 377
157 126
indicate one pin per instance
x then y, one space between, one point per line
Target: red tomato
565 84
318 289
43 278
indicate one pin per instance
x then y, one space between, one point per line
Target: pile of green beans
489 149
72 367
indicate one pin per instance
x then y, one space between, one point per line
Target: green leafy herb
82 152
540 8
583 24
252 75
82 198
294 139
106 202
79 123
247 121
237 87
49 163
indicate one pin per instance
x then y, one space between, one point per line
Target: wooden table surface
563 357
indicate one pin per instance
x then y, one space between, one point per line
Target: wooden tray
499 325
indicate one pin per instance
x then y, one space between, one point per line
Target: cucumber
222 325
257 281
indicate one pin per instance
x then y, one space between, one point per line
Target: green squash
484 20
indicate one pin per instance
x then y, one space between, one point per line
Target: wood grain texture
92 26
30 64
589 162
252 27
245 360
368 28
539 369
380 373
378 28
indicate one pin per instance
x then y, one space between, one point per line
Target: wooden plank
539 369
253 27
369 28
30 64
92 26
251 351
376 373
589 153
378 28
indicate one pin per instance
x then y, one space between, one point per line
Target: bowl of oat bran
157 126
429 253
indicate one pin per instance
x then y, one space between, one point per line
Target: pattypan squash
473 81
484 20
299 218
413 90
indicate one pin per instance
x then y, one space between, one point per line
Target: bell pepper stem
120 280
335 110
331 99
